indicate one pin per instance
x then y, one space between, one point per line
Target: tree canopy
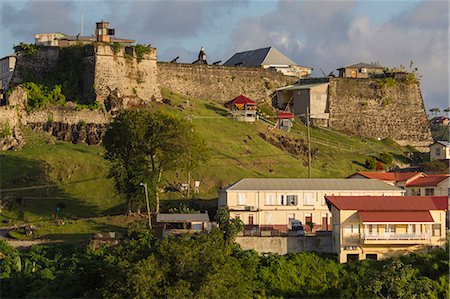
143 145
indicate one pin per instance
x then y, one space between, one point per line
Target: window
308 199
291 200
282 202
436 230
250 219
389 228
352 257
429 191
372 229
411 229
437 151
415 192
269 199
351 229
241 198
371 256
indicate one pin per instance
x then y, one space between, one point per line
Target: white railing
396 236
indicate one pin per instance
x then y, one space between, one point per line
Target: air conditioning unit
249 208
363 70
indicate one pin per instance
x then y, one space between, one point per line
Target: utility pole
148 205
309 142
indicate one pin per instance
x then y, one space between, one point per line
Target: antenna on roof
323 73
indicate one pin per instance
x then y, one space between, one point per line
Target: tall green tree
143 145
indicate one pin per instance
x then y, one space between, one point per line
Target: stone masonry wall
220 83
365 107
134 81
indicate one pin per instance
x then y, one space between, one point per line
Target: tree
370 163
435 111
447 110
143 145
386 158
229 227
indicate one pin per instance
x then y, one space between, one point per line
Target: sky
324 35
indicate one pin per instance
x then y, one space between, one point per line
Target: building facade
378 227
271 204
360 70
440 150
7 65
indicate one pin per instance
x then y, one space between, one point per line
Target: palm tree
435 111
447 110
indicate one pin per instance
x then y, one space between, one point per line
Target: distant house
269 58
265 204
376 227
440 150
7 65
242 109
102 34
285 120
174 224
399 179
440 120
360 70
429 185
303 97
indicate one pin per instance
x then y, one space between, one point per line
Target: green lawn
47 173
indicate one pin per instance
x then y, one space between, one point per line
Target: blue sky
320 34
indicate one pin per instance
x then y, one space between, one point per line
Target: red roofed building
242 109
399 179
431 184
285 120
382 226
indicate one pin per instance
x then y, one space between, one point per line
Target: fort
122 76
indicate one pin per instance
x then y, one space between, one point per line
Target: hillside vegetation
47 174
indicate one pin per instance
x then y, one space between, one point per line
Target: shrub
116 47
140 51
386 158
5 130
29 50
39 95
379 165
370 163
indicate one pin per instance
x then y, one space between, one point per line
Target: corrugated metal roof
167 217
258 57
444 143
397 216
389 203
389 176
300 87
429 180
361 65
309 184
240 100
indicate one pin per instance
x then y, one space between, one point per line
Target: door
324 223
308 219
353 74
250 219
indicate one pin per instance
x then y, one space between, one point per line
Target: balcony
392 238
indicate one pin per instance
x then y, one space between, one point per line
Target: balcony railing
396 236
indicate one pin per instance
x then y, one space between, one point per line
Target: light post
148 205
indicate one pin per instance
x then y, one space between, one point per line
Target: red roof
429 180
395 216
285 115
240 100
390 176
389 203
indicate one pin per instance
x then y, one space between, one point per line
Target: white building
270 204
7 65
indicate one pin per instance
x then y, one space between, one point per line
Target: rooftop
309 184
389 176
361 65
429 180
240 100
389 203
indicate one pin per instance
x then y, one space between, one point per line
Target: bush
140 51
386 158
39 95
370 163
116 47
5 130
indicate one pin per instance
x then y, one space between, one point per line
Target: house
273 203
285 120
174 224
360 70
7 65
269 58
440 120
102 34
301 98
399 179
439 150
376 227
242 109
429 185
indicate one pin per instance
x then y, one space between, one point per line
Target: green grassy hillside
47 173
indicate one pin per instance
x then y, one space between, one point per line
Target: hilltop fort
113 74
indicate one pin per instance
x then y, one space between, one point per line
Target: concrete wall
361 107
221 83
285 245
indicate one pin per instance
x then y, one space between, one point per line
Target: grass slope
47 173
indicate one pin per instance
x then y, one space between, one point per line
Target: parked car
296 225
